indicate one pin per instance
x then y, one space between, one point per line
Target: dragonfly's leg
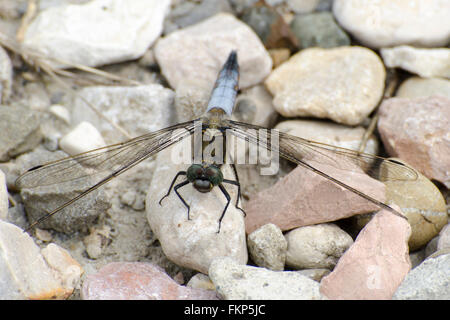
171 185
236 183
225 192
182 184
239 186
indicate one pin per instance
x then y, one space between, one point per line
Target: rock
318 246
267 247
444 238
319 201
201 281
427 63
195 53
20 131
254 106
60 112
6 74
318 30
84 137
234 281
314 274
96 33
137 281
188 13
302 6
24 272
68 269
4 203
138 109
428 281
191 99
193 243
375 265
327 83
415 130
416 87
329 133
279 56
421 22
96 241
44 198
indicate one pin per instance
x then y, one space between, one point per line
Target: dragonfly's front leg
181 173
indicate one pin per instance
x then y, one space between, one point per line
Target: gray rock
318 30
6 73
234 281
3 197
20 131
267 247
43 199
444 238
317 246
429 281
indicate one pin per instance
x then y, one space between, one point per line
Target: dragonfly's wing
107 161
308 153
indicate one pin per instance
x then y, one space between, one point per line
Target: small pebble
84 137
416 87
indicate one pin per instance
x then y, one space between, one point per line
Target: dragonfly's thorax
204 177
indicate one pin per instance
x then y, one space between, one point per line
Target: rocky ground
363 75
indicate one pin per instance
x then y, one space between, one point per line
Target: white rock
82 138
267 247
3 197
416 87
61 112
234 281
24 274
201 281
302 6
138 109
343 84
199 51
329 133
385 23
97 32
317 246
6 73
427 63
194 243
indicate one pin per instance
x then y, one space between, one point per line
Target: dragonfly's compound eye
214 174
194 172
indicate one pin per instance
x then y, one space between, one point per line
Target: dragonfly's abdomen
225 89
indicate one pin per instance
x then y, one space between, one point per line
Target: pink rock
137 281
416 130
375 265
303 198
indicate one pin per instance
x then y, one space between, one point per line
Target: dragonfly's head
204 178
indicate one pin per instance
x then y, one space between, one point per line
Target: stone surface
234 281
375 265
137 281
20 131
317 246
193 243
388 23
303 198
84 137
318 30
343 84
23 271
267 247
444 238
3 197
330 133
427 63
201 281
98 32
416 130
39 200
428 281
302 6
6 74
138 109
416 87
196 53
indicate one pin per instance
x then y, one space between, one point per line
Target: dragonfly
108 162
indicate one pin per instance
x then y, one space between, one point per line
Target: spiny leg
171 185
236 183
225 192
182 184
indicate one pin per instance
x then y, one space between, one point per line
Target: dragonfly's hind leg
236 183
227 195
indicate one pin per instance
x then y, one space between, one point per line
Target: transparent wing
302 151
110 160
